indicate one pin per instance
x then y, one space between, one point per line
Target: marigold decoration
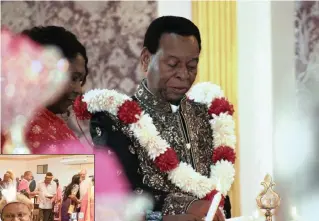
164 156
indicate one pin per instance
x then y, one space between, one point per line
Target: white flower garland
183 176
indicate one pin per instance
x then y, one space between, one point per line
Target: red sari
47 130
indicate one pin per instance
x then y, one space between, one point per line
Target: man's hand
200 208
183 217
219 216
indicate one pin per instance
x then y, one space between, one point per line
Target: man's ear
145 59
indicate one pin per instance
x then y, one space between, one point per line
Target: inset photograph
47 187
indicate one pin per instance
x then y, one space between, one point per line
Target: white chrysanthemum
223 173
148 136
205 92
104 100
223 127
188 180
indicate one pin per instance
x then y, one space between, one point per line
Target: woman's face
16 212
77 77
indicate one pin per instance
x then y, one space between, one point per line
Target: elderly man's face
173 69
16 211
83 174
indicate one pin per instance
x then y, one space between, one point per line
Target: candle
213 207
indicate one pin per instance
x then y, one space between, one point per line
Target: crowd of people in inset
20 198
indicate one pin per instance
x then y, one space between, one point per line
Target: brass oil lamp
268 200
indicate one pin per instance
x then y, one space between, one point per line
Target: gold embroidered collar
148 99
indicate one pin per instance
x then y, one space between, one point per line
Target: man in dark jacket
169 58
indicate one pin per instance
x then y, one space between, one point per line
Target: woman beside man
46 129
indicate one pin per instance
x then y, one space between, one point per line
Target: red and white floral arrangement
164 156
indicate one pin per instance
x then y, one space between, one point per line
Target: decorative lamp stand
268 200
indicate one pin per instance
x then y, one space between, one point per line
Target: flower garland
165 158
